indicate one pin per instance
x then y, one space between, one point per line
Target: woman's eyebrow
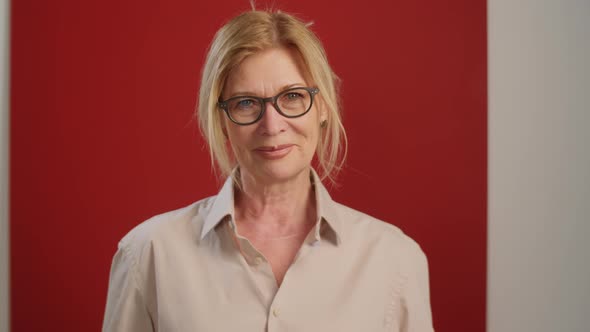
249 93
289 86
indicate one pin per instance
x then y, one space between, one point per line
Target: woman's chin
279 172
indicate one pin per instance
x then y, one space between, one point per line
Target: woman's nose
272 122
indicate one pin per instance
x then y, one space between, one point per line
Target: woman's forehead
266 72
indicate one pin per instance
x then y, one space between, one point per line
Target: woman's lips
275 151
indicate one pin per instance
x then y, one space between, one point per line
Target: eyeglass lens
291 103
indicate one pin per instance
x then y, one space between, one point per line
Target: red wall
101 99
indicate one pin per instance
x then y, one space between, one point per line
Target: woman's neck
275 208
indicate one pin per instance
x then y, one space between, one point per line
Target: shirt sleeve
417 316
126 309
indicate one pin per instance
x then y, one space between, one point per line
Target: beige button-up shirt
184 271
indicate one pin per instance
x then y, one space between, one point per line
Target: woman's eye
294 95
245 104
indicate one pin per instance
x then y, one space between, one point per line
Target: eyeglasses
291 103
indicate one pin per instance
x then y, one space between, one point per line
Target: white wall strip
539 165
4 163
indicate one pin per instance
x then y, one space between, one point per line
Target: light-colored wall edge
539 165
4 166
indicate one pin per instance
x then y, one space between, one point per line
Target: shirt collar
326 210
223 206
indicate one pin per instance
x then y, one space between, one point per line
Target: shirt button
276 312
258 260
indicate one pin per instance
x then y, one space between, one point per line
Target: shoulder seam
128 252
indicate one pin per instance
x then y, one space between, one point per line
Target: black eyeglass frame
312 92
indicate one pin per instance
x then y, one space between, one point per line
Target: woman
271 251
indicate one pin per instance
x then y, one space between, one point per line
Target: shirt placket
259 267
261 271
279 308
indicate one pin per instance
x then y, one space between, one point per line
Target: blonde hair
252 32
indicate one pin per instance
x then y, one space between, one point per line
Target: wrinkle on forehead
256 76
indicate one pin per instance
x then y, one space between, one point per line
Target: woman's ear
323 108
222 124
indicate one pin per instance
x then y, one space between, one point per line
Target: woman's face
275 148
